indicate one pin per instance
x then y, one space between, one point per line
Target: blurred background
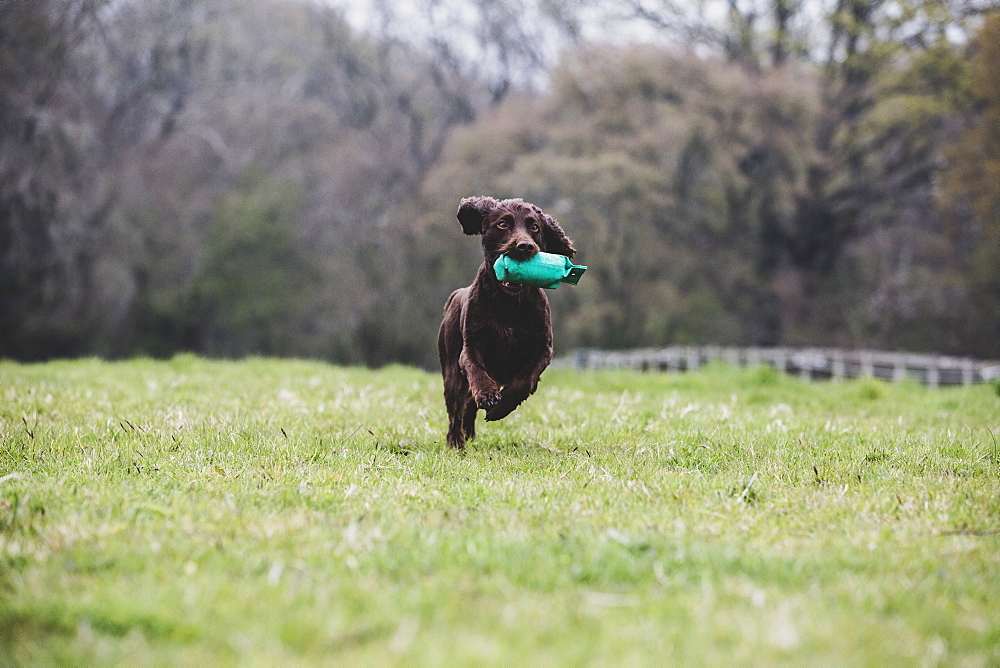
280 177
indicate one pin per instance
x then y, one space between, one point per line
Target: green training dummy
543 270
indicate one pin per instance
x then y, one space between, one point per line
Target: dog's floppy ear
556 240
472 211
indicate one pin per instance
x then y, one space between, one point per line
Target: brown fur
496 338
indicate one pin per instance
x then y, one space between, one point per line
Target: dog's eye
503 224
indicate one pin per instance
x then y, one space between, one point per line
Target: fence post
898 368
781 360
837 365
933 373
867 364
692 359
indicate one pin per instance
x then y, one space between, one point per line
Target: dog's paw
508 402
500 411
488 399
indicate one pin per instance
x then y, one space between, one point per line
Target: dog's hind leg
469 422
457 400
456 432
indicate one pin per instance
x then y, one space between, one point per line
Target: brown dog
496 337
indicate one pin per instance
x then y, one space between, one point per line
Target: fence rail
809 363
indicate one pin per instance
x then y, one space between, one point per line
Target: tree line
236 178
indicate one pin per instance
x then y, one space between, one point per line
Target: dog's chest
505 346
508 336
502 339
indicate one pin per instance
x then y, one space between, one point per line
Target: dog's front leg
485 391
522 386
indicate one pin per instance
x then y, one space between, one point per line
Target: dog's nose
526 247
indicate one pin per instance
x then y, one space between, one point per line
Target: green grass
282 513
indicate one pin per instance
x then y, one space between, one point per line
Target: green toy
544 270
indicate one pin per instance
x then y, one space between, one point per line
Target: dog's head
512 227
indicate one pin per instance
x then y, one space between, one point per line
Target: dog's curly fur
496 338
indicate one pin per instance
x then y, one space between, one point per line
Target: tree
253 279
895 78
972 183
645 158
771 180
975 156
129 129
46 216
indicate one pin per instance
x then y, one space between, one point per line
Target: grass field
283 513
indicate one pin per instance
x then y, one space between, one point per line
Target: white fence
809 363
